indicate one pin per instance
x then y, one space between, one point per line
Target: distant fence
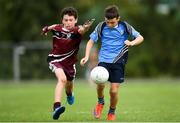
27 60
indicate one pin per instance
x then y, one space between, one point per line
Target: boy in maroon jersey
66 40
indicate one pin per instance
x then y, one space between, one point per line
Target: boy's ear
119 18
76 20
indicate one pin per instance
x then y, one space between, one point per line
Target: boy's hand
85 27
44 30
129 43
88 23
47 28
83 61
134 42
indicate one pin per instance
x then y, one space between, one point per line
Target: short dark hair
71 11
111 12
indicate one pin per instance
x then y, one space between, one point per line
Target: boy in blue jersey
113 53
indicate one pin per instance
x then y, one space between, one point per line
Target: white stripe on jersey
61 59
123 51
61 54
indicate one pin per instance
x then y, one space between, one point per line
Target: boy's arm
89 46
46 29
134 42
85 27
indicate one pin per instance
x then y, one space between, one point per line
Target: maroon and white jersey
65 45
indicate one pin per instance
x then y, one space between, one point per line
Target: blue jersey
112 41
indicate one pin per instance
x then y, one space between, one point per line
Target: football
99 75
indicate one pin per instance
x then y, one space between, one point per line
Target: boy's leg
58 109
113 100
99 106
60 85
100 90
69 92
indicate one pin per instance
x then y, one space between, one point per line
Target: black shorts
116 71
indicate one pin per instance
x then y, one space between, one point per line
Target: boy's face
69 21
112 22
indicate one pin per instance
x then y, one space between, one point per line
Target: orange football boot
98 110
111 117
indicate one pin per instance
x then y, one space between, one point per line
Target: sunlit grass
139 100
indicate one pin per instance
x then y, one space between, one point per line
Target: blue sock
111 110
101 100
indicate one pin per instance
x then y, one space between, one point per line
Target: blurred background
151 92
23 51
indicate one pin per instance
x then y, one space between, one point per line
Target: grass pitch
139 101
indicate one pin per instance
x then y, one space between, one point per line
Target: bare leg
69 92
60 85
100 90
69 87
99 107
58 109
114 94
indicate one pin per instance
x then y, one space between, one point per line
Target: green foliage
22 20
6 65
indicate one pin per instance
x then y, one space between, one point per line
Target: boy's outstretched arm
89 46
134 42
85 27
46 29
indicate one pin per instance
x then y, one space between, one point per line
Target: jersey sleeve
57 27
94 35
135 33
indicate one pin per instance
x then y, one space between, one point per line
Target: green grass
139 101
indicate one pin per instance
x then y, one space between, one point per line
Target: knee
114 89
113 92
100 86
62 80
60 75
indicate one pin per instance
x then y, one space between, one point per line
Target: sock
101 100
56 105
68 93
111 110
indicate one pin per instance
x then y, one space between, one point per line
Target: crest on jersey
121 32
68 35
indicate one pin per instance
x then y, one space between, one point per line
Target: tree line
159 55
